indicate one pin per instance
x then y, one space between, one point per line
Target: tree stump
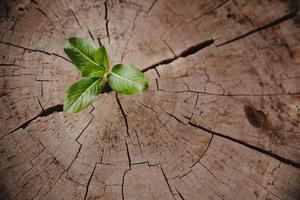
221 119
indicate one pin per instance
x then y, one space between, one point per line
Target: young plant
93 63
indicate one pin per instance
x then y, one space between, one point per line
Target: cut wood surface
221 119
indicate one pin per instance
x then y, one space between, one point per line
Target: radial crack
123 183
128 154
123 114
130 36
106 21
76 19
80 145
34 50
189 51
43 113
234 95
268 25
179 194
250 146
152 5
166 180
89 181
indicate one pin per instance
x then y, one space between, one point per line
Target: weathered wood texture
221 119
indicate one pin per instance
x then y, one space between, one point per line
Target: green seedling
93 64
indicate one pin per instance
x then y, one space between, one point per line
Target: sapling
96 71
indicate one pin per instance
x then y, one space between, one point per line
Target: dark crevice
176 118
123 114
139 143
7 64
157 72
207 147
179 194
269 25
194 49
106 21
234 95
180 177
90 33
213 9
50 110
43 13
166 180
76 156
76 19
130 36
55 54
35 2
35 50
190 51
15 22
261 150
43 113
123 182
28 49
152 5
106 88
128 154
148 107
99 41
89 181
80 145
157 85
174 54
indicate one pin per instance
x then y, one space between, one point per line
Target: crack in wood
106 21
26 7
89 181
165 177
99 41
189 51
76 19
80 144
250 146
123 182
211 10
266 26
128 154
176 118
174 54
44 14
234 95
43 113
35 50
152 5
207 147
180 195
123 114
91 35
130 36
139 143
38 192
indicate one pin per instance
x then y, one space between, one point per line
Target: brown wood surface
221 119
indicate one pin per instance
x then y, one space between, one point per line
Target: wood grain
221 119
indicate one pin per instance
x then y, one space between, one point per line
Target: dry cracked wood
221 119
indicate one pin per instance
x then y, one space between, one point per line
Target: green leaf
81 94
101 57
81 52
126 79
92 71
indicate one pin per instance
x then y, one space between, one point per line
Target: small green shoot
93 64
